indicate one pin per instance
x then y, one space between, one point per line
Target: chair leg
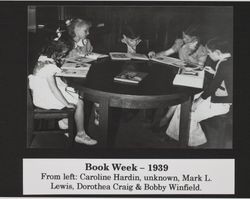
29 137
30 128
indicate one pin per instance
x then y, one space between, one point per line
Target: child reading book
189 49
215 100
50 92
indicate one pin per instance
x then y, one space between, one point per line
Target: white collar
43 58
81 43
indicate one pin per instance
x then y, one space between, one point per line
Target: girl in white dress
50 92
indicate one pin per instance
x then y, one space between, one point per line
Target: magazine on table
189 78
130 77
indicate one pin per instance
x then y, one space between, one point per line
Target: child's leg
168 116
79 116
96 113
81 136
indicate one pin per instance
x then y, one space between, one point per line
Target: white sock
81 133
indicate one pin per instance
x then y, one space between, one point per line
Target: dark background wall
158 25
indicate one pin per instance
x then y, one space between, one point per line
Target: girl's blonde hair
77 23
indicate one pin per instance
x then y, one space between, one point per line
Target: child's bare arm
55 90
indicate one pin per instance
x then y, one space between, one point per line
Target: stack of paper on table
189 78
169 60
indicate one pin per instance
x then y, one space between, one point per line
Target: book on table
85 58
74 70
132 77
78 59
127 56
95 56
190 78
79 66
169 60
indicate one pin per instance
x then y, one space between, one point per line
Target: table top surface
159 79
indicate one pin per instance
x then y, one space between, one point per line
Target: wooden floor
134 134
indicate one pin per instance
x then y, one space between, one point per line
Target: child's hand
151 54
73 53
209 69
131 43
196 103
70 105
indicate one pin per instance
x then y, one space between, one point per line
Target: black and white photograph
136 99
164 110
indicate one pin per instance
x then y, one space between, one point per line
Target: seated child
192 52
189 49
130 38
76 35
214 100
50 92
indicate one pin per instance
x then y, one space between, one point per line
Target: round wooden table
156 90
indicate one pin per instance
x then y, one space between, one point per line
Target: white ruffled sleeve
49 70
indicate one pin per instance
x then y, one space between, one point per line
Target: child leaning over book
188 48
215 100
50 92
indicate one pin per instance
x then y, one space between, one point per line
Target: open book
74 70
79 66
95 56
169 60
119 56
189 78
82 73
130 77
127 56
137 56
78 59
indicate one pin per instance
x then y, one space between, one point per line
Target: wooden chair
34 114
